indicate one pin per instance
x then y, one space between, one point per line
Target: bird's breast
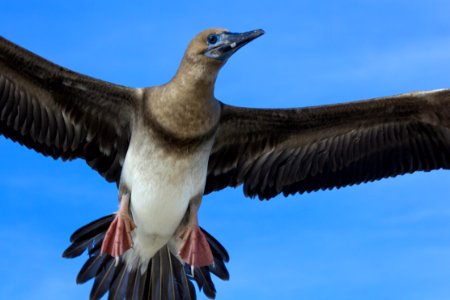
161 183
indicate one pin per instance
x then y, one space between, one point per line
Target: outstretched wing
64 114
272 151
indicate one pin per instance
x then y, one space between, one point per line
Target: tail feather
220 257
119 283
91 268
103 279
156 278
88 231
168 286
77 248
137 293
219 269
216 246
132 281
96 246
164 278
88 237
204 282
146 291
183 282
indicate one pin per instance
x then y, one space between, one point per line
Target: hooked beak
228 43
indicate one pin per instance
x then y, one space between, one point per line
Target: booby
166 146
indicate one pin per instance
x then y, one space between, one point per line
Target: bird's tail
164 278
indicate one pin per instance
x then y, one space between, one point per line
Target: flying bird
167 146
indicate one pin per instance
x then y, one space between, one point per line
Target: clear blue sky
384 240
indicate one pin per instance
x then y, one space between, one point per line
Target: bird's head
210 49
220 44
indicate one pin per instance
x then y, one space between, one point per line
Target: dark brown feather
91 268
119 283
273 151
103 279
63 114
156 278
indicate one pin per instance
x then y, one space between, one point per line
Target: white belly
161 187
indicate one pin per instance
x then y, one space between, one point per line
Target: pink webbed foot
195 250
118 237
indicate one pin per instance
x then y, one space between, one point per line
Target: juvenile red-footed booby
166 146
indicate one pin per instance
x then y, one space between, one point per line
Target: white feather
161 184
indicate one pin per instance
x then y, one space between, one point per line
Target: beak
228 43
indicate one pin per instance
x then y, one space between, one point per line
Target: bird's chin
219 53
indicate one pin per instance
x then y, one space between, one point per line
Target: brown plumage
307 149
179 132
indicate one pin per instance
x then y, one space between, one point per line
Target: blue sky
384 240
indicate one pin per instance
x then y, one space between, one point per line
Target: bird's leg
118 237
195 249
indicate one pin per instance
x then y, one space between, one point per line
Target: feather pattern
164 277
119 283
273 151
63 114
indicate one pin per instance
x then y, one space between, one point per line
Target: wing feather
63 114
273 151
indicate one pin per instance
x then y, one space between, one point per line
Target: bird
166 146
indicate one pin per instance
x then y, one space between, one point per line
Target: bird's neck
196 78
186 105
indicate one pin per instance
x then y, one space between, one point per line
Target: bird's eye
212 39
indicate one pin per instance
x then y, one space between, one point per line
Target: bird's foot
118 237
195 250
